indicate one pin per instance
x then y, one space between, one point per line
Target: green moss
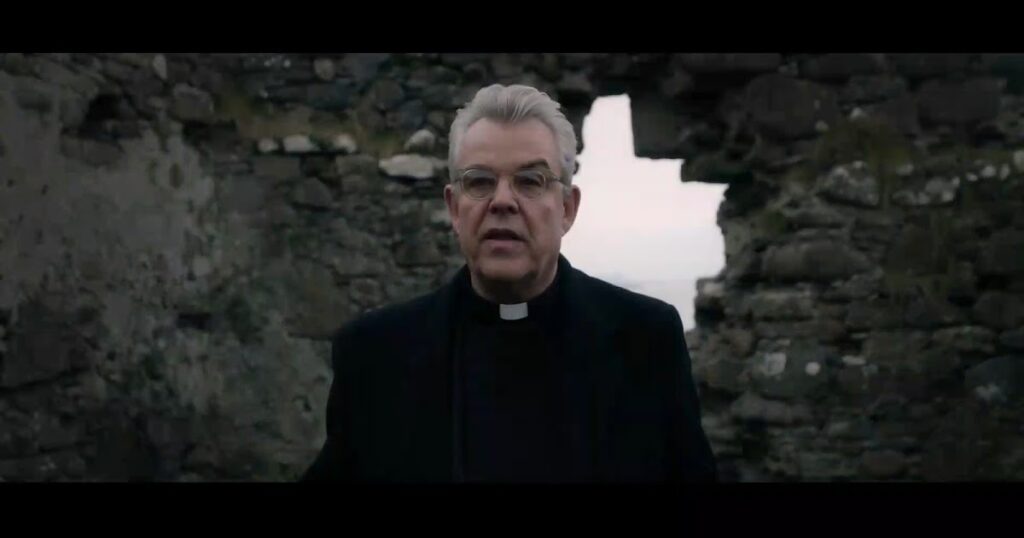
967 156
876 142
880 145
997 156
257 119
900 287
381 144
232 104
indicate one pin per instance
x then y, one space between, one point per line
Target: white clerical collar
512 312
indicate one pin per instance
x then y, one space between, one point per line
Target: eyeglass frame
549 178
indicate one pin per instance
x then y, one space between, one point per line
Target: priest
522 368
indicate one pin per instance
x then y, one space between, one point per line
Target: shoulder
620 304
388 323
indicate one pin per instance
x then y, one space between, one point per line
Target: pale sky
639 226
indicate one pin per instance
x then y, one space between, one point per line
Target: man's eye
479 180
530 179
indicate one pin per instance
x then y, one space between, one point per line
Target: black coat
633 405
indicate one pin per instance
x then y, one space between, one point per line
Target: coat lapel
430 447
585 347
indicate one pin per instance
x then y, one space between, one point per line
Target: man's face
537 225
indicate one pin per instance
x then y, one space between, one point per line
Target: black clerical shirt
509 405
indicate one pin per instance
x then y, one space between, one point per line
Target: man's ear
451 201
570 207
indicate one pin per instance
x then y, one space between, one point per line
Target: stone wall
179 234
868 322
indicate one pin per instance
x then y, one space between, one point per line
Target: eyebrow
538 163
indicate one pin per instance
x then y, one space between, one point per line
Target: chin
503 269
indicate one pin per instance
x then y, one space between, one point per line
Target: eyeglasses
530 183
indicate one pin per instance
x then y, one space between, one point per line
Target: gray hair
512 104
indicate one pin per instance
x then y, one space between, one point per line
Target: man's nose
504 199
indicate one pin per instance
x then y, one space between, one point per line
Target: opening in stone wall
639 226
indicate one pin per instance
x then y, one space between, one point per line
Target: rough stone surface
193 268
160 66
884 463
409 115
874 314
730 62
753 408
363 67
793 372
959 103
821 261
411 166
277 168
997 380
1000 310
299 143
342 143
355 165
901 112
893 347
1013 339
677 84
386 93
267 145
574 87
786 107
872 88
919 66
324 68
967 338
851 184
723 374
843 66
422 141
936 191
418 250
825 330
782 305
312 193
657 138
813 212
1002 254
930 312
191 104
91 152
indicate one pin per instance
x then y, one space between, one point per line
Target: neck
512 292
